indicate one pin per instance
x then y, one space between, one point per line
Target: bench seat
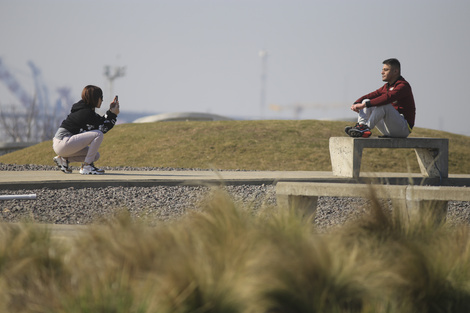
432 154
304 195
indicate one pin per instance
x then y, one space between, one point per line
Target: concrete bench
432 154
303 196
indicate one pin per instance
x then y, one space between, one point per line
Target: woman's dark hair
91 95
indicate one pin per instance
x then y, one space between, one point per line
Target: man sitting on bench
391 108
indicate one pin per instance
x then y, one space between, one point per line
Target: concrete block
432 154
414 200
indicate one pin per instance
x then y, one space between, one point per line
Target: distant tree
20 124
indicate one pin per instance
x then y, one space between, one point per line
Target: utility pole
111 74
264 64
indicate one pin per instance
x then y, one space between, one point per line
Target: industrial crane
12 84
298 107
38 119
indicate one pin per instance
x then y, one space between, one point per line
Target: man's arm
359 104
399 92
372 95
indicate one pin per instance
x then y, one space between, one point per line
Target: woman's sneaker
90 169
96 169
62 164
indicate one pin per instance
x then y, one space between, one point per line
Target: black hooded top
83 118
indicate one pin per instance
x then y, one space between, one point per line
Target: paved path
57 179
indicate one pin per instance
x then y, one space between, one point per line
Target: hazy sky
203 55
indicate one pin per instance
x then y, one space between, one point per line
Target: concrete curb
27 180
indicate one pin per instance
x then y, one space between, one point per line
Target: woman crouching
80 135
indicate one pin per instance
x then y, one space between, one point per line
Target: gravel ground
163 203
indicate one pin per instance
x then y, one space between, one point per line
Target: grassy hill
247 145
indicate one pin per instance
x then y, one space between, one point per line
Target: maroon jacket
399 95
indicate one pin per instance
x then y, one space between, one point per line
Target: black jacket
83 118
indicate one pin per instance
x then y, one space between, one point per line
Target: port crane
299 107
36 119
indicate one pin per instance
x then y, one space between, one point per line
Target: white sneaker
90 169
62 164
96 169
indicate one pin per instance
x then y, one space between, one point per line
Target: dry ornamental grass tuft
230 257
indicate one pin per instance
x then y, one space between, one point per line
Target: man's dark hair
393 63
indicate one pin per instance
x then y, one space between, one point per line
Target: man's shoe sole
358 134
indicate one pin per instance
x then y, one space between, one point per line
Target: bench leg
432 163
306 205
345 158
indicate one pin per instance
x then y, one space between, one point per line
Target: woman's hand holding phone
114 106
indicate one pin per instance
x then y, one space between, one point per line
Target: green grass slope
247 145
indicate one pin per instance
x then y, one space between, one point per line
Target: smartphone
114 103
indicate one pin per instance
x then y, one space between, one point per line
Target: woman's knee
98 133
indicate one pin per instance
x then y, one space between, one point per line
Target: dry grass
249 145
227 258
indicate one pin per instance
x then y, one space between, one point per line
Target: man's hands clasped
356 107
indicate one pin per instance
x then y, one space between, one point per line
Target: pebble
165 203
